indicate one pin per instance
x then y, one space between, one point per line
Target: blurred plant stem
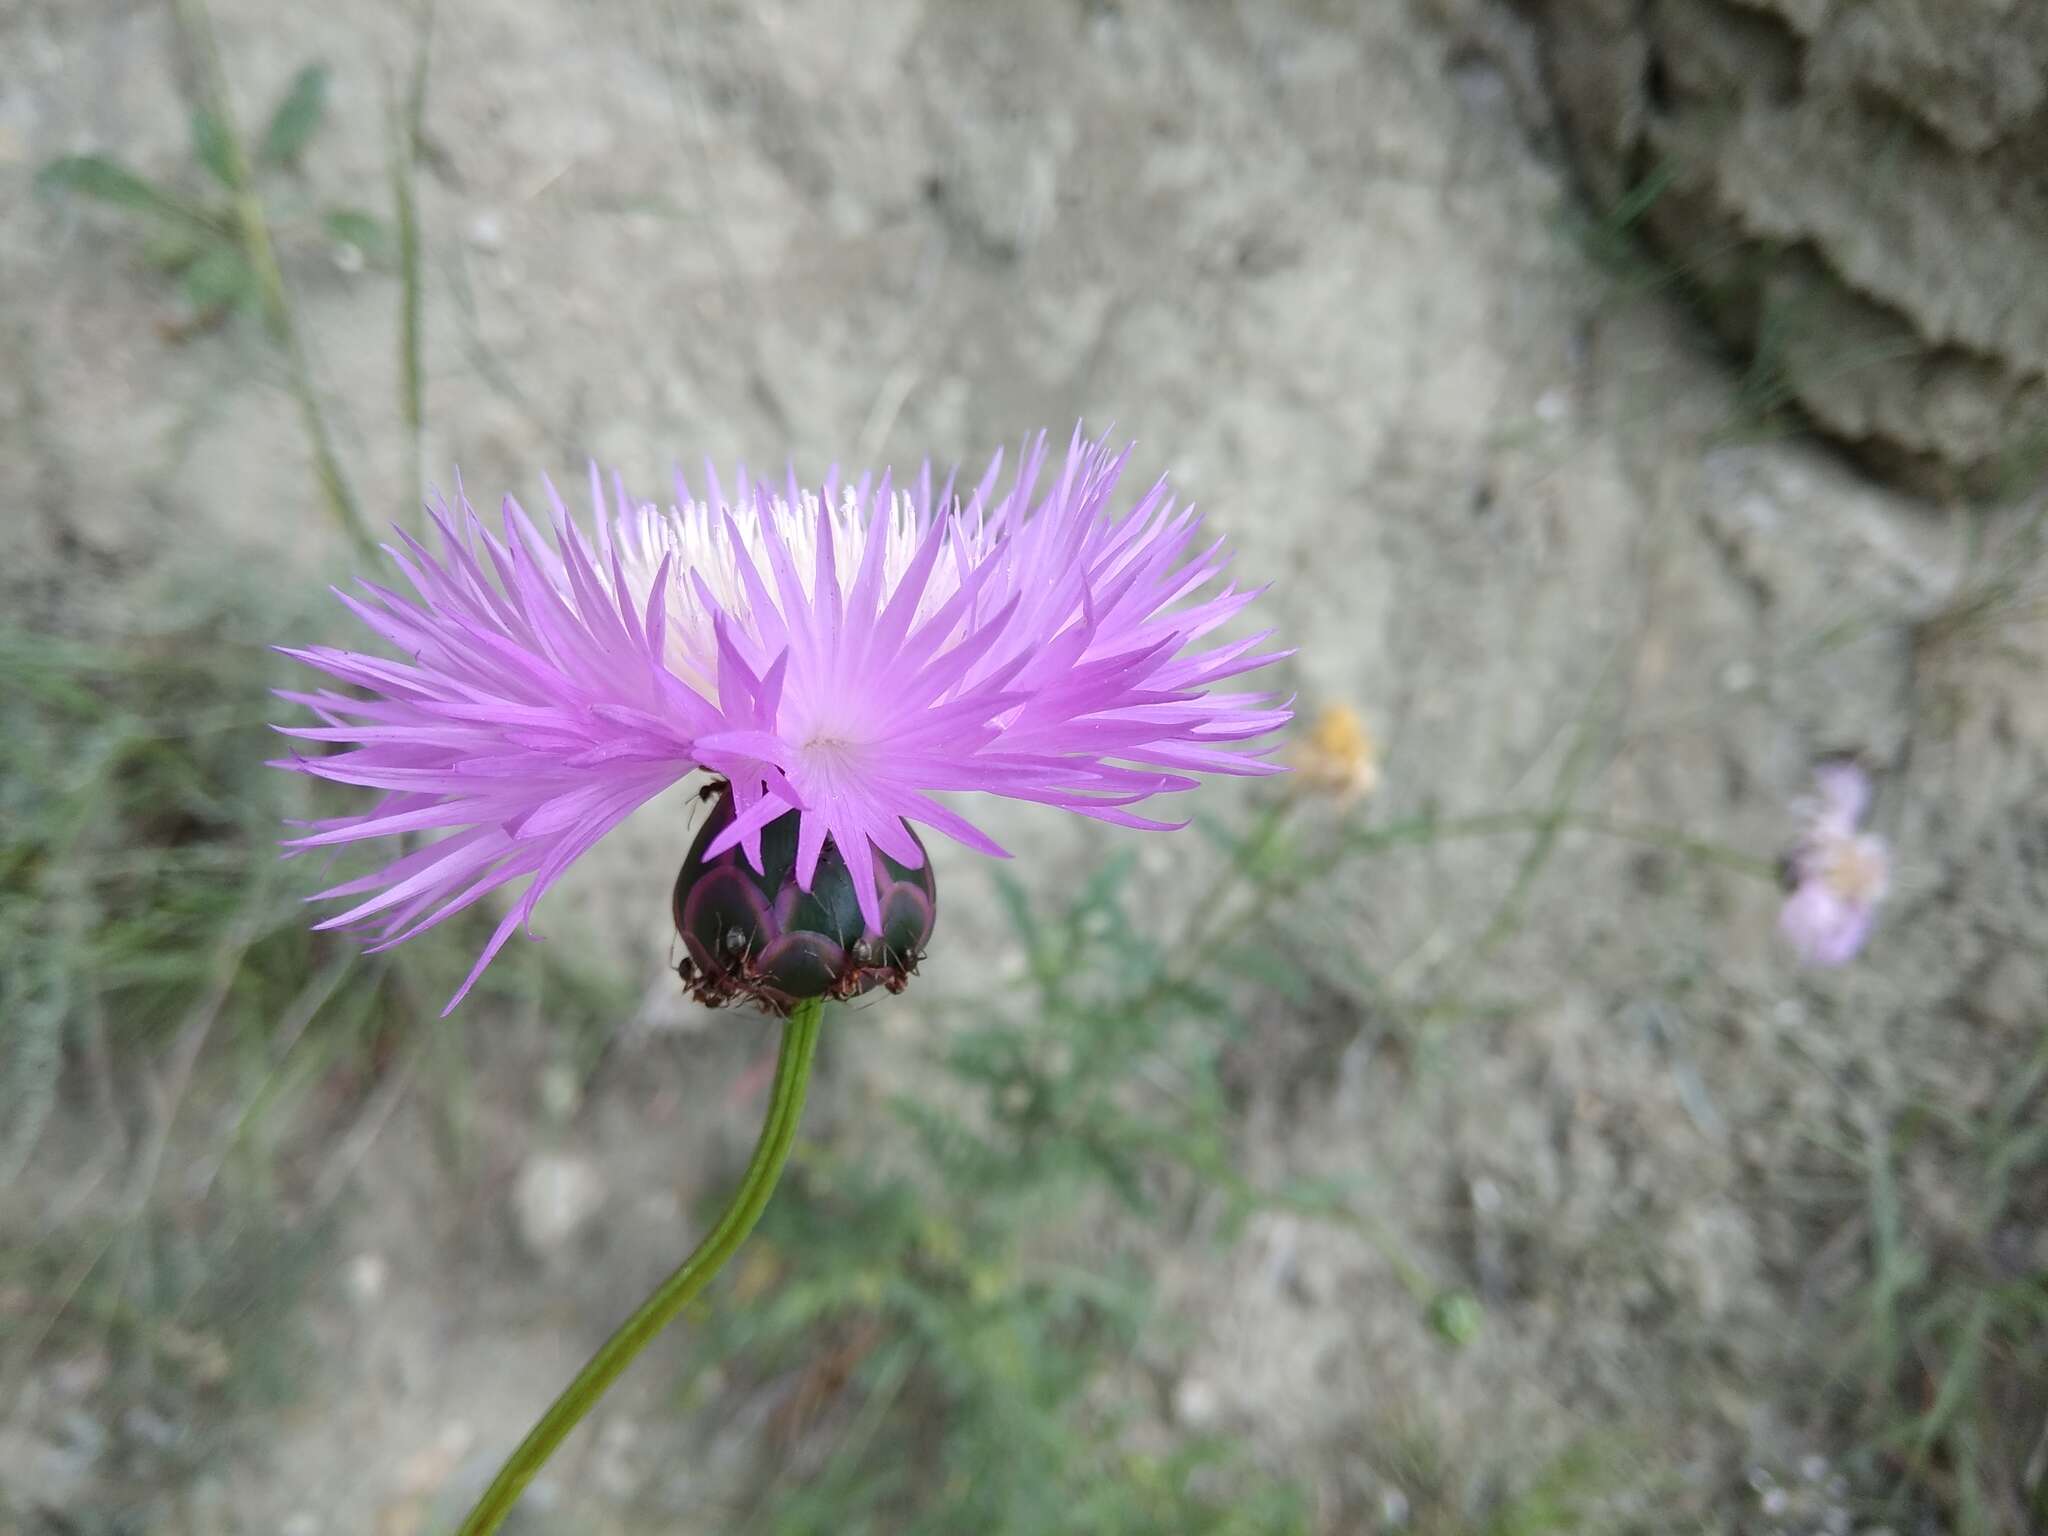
407 135
757 1184
195 29
1252 862
1431 829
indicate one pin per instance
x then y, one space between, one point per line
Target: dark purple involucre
758 936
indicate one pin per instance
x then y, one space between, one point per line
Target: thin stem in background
764 1169
1571 774
406 138
196 30
1428 829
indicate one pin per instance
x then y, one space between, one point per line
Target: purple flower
842 653
1836 874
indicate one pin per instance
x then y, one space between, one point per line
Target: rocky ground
1328 266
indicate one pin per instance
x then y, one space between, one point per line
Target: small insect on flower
836 656
1340 757
1835 873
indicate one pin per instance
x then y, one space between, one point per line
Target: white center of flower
697 541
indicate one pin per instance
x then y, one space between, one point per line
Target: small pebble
367 1275
555 1197
1196 1404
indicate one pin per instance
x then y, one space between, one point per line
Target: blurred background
1630 404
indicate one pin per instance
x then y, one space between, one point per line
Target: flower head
1835 873
841 653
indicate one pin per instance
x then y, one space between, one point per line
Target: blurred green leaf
219 279
1457 1317
210 146
296 118
172 249
351 226
108 181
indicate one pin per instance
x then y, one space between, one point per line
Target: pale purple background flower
1837 872
844 652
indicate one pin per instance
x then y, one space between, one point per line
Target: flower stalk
757 1184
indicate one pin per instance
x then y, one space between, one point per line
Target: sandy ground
1320 262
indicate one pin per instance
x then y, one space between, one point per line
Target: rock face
1857 190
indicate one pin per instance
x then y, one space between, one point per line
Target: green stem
778 1134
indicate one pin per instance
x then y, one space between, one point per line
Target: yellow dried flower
1340 757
